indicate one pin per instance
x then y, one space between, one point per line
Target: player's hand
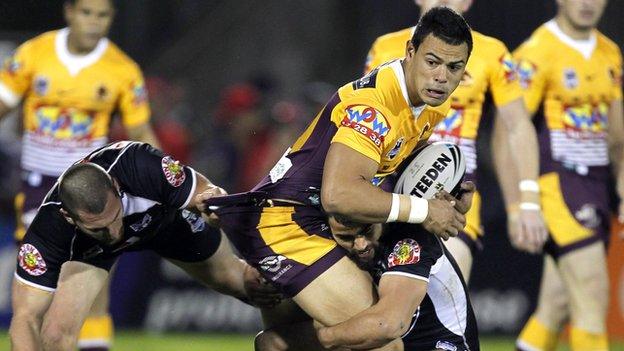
211 191
259 291
463 202
527 230
443 219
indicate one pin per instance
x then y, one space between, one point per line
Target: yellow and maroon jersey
373 116
490 73
570 85
69 99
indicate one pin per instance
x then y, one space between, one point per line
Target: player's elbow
55 337
388 329
335 201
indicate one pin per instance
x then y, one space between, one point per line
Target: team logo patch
451 124
195 221
102 92
406 251
41 85
12 65
445 345
509 67
396 148
64 123
570 78
368 122
31 260
140 93
526 71
585 120
272 263
174 171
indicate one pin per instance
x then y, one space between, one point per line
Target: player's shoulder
391 39
482 41
44 41
539 43
117 57
440 110
609 46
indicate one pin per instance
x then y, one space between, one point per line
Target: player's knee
268 340
53 337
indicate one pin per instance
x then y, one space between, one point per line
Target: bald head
85 187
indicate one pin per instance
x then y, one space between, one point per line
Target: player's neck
572 31
74 48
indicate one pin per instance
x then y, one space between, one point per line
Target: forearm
359 202
25 334
229 280
365 331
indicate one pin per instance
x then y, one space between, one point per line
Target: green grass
139 341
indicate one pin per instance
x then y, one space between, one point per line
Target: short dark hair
444 24
85 187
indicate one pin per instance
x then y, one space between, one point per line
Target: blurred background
231 84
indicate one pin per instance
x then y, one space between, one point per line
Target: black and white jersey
154 191
444 320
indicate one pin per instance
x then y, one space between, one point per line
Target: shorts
34 188
576 211
290 245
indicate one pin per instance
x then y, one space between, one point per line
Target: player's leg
97 331
584 272
462 254
541 332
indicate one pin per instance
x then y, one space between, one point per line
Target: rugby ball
436 166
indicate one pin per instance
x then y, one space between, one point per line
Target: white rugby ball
436 166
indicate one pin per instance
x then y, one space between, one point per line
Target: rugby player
70 82
571 74
361 136
126 196
489 81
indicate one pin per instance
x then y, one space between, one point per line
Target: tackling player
489 80
70 82
571 74
361 136
126 196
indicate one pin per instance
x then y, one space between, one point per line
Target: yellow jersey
570 85
68 100
490 72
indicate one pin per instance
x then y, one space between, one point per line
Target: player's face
582 14
89 21
459 6
106 227
359 241
434 70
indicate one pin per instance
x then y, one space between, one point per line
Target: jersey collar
585 47
75 63
400 75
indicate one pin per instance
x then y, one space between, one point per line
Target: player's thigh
462 254
585 273
337 294
101 302
552 306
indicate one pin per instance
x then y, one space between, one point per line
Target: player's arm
388 319
616 149
29 307
144 133
347 192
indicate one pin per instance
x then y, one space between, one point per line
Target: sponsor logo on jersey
173 170
41 85
585 120
63 123
570 78
273 264
452 123
195 221
142 224
526 71
31 261
588 215
445 345
406 251
396 148
368 122
509 67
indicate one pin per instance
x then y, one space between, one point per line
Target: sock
581 340
96 334
535 336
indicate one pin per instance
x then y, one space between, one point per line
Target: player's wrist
408 209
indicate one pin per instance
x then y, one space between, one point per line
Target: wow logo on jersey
406 251
30 260
509 67
368 122
526 71
586 119
451 124
63 123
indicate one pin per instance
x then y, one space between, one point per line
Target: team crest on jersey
12 65
570 78
396 148
31 261
174 171
140 93
368 122
41 86
406 251
526 71
101 92
585 118
509 67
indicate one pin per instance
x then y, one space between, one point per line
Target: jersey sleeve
46 246
363 127
503 79
133 102
616 75
151 174
414 254
532 74
16 75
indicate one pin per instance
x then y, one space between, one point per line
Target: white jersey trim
33 285
8 97
76 63
585 47
400 75
409 275
190 196
524 346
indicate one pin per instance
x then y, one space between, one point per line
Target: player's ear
410 50
68 10
67 216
